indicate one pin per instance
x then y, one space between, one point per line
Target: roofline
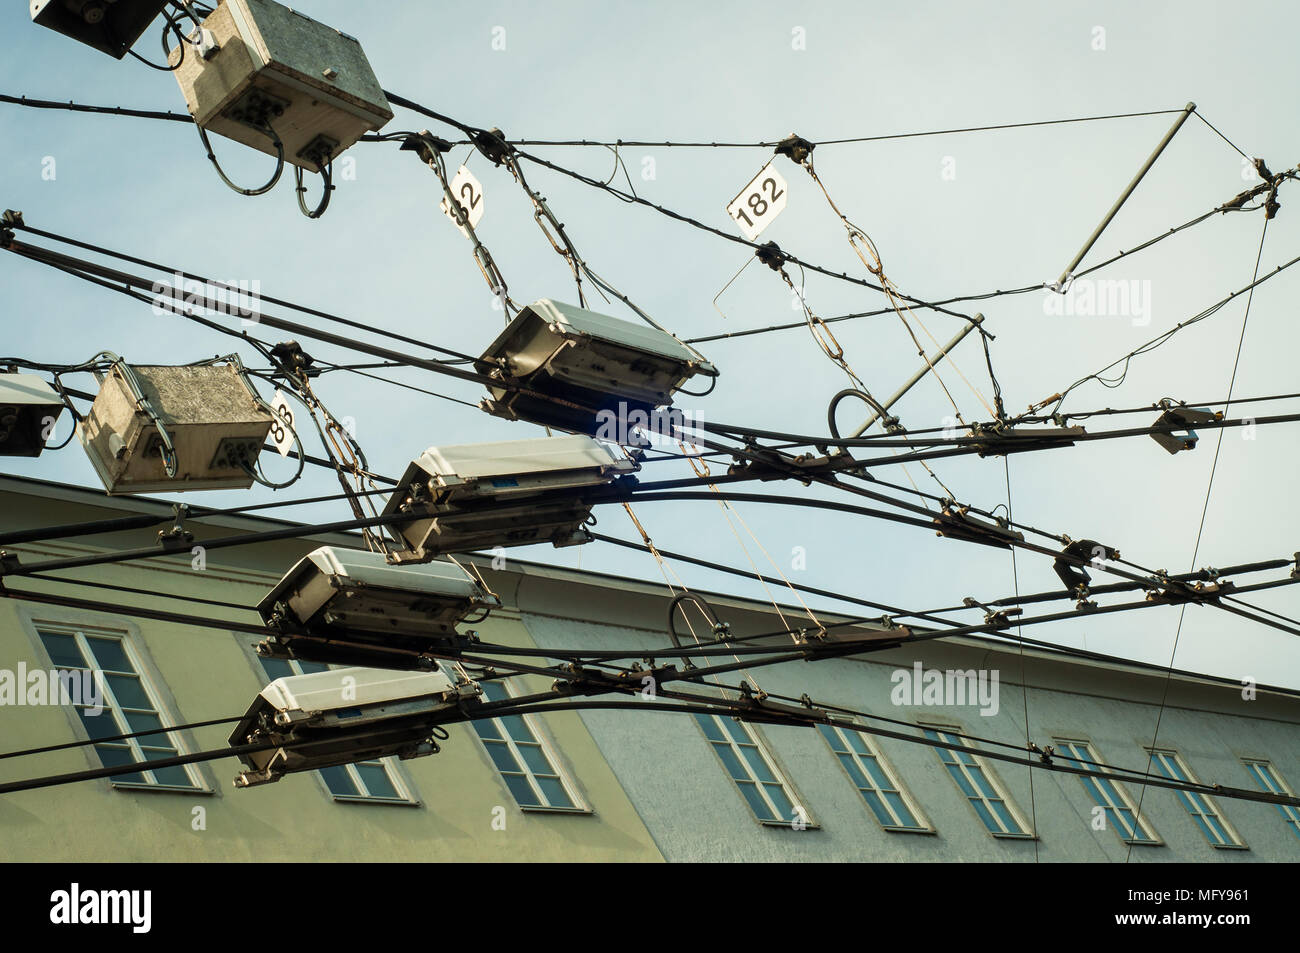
252 523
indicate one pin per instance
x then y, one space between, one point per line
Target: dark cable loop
279 163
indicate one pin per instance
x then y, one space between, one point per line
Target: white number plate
469 201
759 202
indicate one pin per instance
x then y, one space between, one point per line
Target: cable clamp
8 222
426 145
796 147
492 143
177 537
771 255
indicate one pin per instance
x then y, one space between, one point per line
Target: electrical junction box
478 496
28 409
214 422
312 84
581 357
351 606
110 26
341 716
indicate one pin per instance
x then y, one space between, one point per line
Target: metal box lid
325 691
514 465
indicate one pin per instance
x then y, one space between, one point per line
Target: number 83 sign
758 203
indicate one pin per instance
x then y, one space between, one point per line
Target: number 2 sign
469 201
758 203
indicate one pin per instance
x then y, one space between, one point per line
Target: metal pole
1092 239
911 381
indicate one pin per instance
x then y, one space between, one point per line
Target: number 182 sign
758 203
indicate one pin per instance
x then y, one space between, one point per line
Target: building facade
603 785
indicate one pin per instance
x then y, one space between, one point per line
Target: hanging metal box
369 607
478 496
581 357
28 409
311 83
212 418
342 716
110 26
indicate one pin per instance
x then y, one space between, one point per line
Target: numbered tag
759 202
469 201
282 430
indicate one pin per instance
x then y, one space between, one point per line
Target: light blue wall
694 811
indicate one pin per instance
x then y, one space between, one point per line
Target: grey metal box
583 358
111 27
313 84
27 406
478 496
210 415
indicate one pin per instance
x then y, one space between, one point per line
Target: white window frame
764 752
1275 784
1185 797
126 637
405 796
890 774
1026 831
1126 801
549 751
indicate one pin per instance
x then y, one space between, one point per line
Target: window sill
1013 836
160 788
534 809
387 801
788 825
1230 847
908 830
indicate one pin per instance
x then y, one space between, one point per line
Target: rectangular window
977 784
367 781
129 705
1268 779
752 768
1203 811
1121 815
522 757
873 779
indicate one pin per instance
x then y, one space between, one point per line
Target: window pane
339 781
502 756
128 691
522 791
756 802
712 730
554 791
535 759
110 654
375 778
63 650
276 668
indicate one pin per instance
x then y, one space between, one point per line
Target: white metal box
477 496
311 83
28 409
584 358
215 424
350 606
110 26
341 716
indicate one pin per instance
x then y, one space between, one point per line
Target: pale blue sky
1019 206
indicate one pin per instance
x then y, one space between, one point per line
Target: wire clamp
177 537
426 145
492 143
771 255
796 147
8 564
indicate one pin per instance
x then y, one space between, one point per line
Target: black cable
327 177
260 190
208 282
